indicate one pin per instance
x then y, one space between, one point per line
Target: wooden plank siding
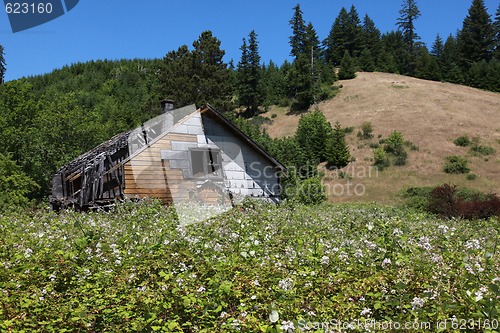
147 175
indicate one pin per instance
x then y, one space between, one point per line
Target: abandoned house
183 154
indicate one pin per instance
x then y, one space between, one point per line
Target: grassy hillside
429 114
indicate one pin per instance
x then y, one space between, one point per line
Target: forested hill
47 120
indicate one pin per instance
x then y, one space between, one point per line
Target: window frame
217 161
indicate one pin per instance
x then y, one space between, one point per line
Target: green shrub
481 150
462 141
394 143
380 159
366 131
471 176
311 192
15 185
456 165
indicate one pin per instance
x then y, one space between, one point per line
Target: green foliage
313 133
406 23
366 131
462 141
476 39
15 185
311 192
456 164
249 75
380 158
337 151
135 269
347 69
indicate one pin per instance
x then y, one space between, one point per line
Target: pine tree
211 75
312 135
337 151
335 43
370 38
449 61
354 33
427 66
249 71
366 62
2 65
406 23
476 39
437 47
297 40
496 28
347 69
395 52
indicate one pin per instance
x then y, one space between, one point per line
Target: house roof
122 140
231 126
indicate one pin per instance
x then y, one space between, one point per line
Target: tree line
47 120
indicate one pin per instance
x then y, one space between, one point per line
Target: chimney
167 105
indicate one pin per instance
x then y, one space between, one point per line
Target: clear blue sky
116 29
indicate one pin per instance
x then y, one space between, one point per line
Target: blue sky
115 29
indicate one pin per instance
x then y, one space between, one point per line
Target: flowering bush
256 268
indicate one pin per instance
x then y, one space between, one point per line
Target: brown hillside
429 114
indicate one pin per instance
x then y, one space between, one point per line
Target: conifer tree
335 43
370 38
406 23
297 40
437 47
312 135
211 75
476 39
449 61
249 71
337 151
496 29
347 69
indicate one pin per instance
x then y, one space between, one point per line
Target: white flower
286 284
325 260
366 311
256 283
423 243
201 289
287 325
274 316
253 297
28 252
386 262
472 244
417 303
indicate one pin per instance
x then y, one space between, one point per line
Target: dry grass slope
429 114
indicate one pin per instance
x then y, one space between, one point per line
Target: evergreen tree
370 38
496 28
249 71
335 43
476 39
406 23
312 46
337 151
449 62
347 69
2 64
354 33
437 47
427 66
211 75
297 40
300 84
274 84
395 52
366 62
312 135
